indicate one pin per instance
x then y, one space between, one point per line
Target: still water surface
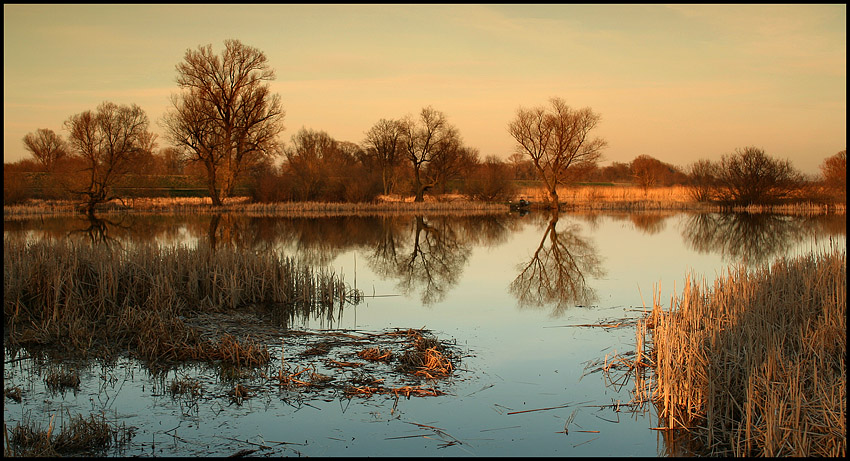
508 289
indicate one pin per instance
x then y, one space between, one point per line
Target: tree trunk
553 198
420 191
211 179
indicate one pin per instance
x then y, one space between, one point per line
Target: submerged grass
102 300
756 366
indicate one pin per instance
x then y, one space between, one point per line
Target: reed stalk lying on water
84 297
757 365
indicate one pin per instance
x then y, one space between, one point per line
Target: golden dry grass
584 197
756 366
91 299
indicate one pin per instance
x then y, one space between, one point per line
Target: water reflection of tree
97 229
749 238
555 274
430 260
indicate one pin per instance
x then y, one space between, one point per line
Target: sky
676 82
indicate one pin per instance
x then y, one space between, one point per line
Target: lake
532 304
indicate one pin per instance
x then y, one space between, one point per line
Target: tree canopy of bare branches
834 170
426 140
225 117
46 147
109 142
749 176
383 143
556 139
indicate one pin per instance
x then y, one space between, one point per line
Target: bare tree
645 171
46 147
834 171
458 162
749 176
226 117
109 142
702 179
556 139
424 140
383 141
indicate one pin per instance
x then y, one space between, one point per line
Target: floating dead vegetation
401 359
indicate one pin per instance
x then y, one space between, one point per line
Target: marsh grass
756 365
98 300
584 197
80 436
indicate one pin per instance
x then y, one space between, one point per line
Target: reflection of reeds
61 378
87 298
757 366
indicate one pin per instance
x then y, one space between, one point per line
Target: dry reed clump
82 436
426 357
375 354
757 365
95 299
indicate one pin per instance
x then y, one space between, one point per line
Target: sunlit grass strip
387 205
756 366
84 297
618 197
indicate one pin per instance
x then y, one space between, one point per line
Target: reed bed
756 366
629 198
99 299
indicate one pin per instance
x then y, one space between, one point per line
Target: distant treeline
223 133
348 175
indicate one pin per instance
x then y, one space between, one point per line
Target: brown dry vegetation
756 366
99 299
577 197
80 436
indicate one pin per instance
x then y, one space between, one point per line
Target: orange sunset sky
676 82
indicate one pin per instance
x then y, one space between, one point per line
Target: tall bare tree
383 141
834 170
109 141
556 139
226 117
425 139
46 147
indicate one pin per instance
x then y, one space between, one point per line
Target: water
508 289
